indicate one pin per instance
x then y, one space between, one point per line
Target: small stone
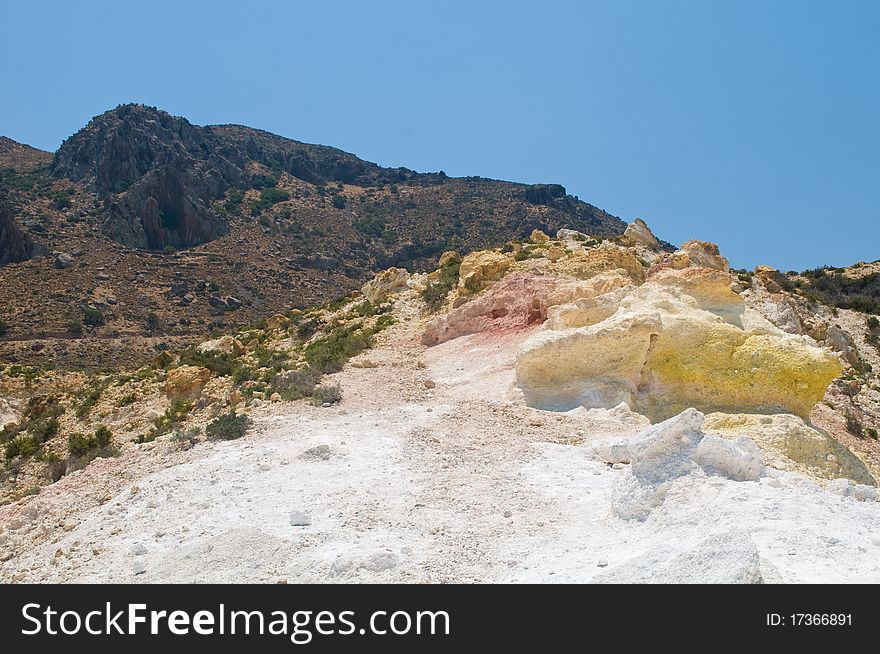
139 567
792 552
602 563
139 550
319 452
618 466
59 553
429 383
508 513
300 519
68 525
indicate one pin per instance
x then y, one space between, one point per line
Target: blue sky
752 124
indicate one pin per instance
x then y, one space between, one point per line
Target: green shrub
328 354
338 201
103 436
79 444
365 309
174 415
274 195
93 317
127 399
326 394
228 426
295 384
436 292
872 322
89 401
23 446
75 326
853 425
308 328
3 327
263 181
221 364
45 429
151 323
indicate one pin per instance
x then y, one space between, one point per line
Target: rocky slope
171 230
489 429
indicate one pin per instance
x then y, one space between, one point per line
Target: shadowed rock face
15 246
160 173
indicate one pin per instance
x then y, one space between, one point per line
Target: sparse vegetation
3 327
93 317
853 425
326 394
89 401
296 384
228 426
436 292
831 286
174 415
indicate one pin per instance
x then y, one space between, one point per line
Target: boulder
480 269
63 260
186 382
537 236
571 235
277 321
730 557
693 254
669 450
448 256
638 233
790 444
392 280
223 345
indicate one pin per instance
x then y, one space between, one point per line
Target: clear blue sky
752 124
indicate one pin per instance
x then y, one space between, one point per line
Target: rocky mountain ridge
155 223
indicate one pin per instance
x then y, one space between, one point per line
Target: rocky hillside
606 410
148 231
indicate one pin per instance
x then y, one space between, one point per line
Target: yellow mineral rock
680 340
186 382
788 443
479 269
537 236
607 257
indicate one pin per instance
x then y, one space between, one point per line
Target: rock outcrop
186 382
223 345
608 257
392 280
15 245
693 254
638 233
790 444
683 339
479 269
517 301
